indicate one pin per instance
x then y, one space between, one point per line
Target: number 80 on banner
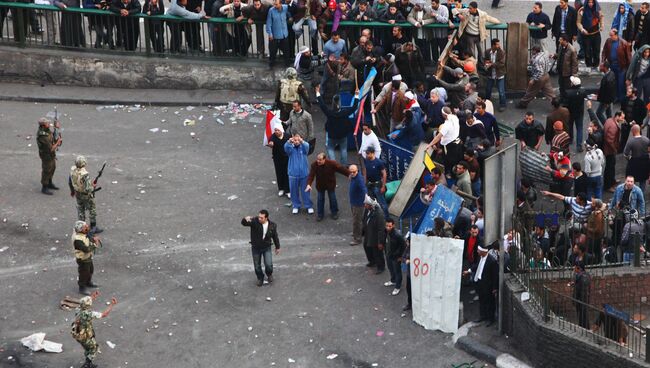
420 268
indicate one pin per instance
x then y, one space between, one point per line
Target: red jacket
612 136
624 53
325 174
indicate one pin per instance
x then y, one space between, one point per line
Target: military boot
92 285
46 190
94 229
83 290
52 186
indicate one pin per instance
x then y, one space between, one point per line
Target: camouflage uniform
82 186
84 248
48 157
83 331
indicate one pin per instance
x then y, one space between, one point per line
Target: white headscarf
296 61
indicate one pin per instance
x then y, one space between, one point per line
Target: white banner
436 268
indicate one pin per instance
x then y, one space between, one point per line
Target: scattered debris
154 130
37 342
189 122
110 344
232 197
268 299
332 356
380 333
291 360
3 248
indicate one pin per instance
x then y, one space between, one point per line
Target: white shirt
265 227
370 140
449 130
479 269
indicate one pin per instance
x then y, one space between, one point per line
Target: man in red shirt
472 242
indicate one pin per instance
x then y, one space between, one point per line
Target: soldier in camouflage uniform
82 327
82 187
290 89
47 152
84 248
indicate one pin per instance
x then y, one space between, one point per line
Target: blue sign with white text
445 204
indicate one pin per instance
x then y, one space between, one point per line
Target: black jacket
257 231
641 29
338 124
374 227
395 244
490 278
607 89
571 25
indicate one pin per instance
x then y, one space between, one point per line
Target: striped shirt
580 213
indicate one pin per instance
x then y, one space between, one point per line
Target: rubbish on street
110 344
189 122
332 356
154 130
37 342
232 197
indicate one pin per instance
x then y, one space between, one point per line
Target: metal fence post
147 36
647 348
546 306
636 238
20 34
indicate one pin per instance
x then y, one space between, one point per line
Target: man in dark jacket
410 63
128 26
485 275
473 240
575 102
537 18
642 26
324 171
374 229
394 249
257 14
606 92
559 113
71 28
581 292
338 125
567 63
264 233
565 22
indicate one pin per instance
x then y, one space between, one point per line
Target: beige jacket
483 19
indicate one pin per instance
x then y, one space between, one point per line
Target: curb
92 101
484 352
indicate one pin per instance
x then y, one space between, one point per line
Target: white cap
303 49
409 95
481 249
397 77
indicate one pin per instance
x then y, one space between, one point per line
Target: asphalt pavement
177 258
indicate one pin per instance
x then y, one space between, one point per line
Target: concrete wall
65 67
547 345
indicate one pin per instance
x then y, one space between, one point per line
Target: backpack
78 333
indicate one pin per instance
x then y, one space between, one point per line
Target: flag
428 162
271 120
363 94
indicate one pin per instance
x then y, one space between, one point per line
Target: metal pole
636 237
502 252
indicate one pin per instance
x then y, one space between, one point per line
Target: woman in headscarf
590 24
280 158
624 21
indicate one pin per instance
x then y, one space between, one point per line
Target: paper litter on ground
37 342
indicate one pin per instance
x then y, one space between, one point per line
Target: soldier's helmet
86 302
79 225
44 121
291 73
80 161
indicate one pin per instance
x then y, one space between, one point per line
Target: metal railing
166 35
613 326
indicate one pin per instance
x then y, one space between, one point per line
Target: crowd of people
451 112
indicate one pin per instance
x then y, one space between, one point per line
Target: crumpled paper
37 342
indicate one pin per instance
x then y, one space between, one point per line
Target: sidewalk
105 96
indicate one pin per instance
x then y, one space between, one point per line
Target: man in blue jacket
338 126
357 194
298 169
276 29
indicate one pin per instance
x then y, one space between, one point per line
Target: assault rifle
56 132
99 175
